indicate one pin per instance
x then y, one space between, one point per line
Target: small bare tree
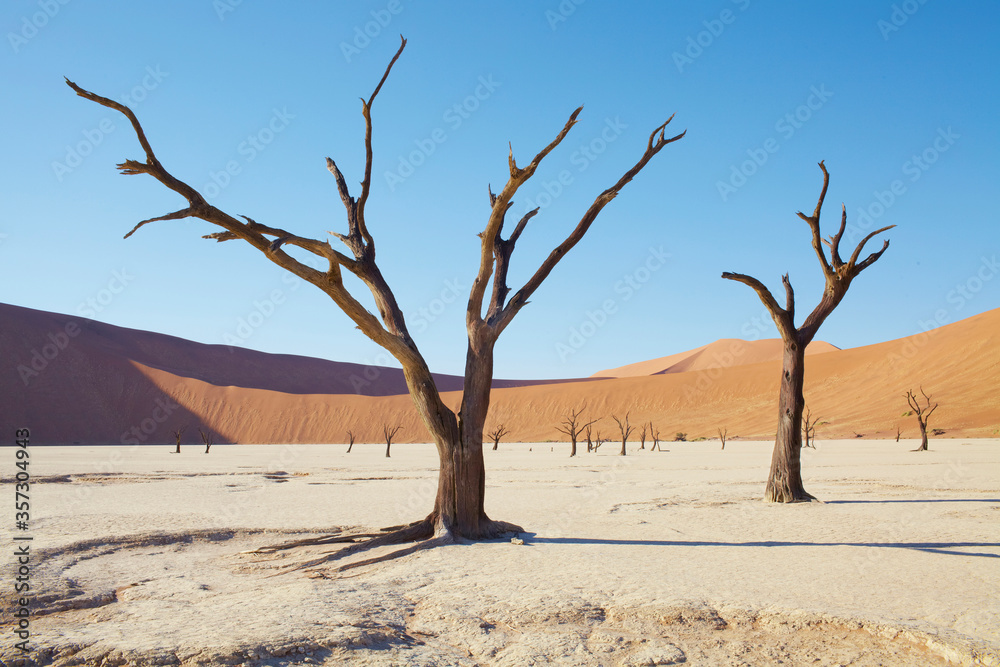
899 432
642 436
784 483
497 433
177 436
590 441
572 427
654 433
722 436
389 433
923 413
625 429
458 510
598 440
809 429
208 439
350 440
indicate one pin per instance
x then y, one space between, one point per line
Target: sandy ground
654 558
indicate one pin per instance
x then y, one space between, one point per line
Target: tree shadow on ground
948 548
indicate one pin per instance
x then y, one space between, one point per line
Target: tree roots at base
426 534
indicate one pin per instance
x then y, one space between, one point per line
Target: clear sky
244 100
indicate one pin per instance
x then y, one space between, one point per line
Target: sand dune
719 354
112 385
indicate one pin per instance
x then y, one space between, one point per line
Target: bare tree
923 413
497 433
784 482
654 433
598 440
899 432
809 429
350 440
680 436
177 437
458 510
642 436
590 441
389 433
208 439
571 427
625 429
722 436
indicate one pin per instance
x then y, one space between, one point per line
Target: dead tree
923 413
899 432
625 429
389 433
654 433
642 436
350 440
722 436
573 429
177 436
458 510
208 439
784 482
598 440
497 433
809 429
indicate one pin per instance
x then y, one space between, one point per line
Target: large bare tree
458 506
626 430
784 482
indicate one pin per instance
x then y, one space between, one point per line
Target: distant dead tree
350 440
809 429
590 442
899 432
177 436
654 433
497 433
208 439
389 433
458 509
722 436
642 436
784 482
598 440
572 427
680 436
922 412
625 429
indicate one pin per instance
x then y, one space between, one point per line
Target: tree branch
813 222
782 318
520 299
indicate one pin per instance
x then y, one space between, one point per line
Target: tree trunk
349 447
623 452
572 450
923 436
387 446
784 484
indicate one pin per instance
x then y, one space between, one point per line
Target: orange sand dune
723 353
114 385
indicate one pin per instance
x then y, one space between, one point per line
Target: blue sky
245 100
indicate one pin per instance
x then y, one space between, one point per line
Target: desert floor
140 557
